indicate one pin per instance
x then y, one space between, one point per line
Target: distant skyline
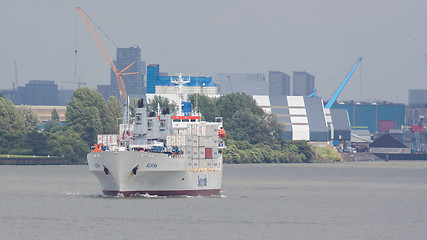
201 37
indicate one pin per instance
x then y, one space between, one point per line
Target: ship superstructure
160 154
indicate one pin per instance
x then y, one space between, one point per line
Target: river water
363 200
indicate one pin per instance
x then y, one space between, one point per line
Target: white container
195 153
215 163
195 141
202 163
188 152
215 153
209 142
202 141
201 130
201 153
209 163
189 162
188 129
194 130
215 141
189 141
113 140
195 163
210 129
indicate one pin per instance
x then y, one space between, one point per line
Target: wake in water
146 196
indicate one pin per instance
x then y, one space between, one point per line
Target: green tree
54 125
88 125
163 102
12 126
115 111
88 114
31 119
54 115
205 105
230 104
68 144
36 142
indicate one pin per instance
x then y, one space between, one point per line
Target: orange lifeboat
221 133
97 149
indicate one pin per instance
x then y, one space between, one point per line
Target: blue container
186 108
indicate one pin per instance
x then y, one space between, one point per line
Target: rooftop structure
249 83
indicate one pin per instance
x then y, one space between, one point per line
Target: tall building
249 83
279 83
303 84
134 82
38 92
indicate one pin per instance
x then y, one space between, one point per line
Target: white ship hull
130 173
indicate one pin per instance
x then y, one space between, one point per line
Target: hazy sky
202 37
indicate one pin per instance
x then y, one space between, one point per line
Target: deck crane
341 87
119 74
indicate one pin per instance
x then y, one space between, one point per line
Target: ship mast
180 82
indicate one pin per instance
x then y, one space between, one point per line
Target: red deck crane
119 74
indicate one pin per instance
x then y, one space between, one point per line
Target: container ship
160 154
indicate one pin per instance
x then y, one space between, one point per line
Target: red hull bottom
203 192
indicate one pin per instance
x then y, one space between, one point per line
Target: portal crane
341 87
121 83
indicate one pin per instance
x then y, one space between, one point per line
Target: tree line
253 136
87 116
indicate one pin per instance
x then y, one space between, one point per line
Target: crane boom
341 87
121 83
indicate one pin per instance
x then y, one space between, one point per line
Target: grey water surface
360 200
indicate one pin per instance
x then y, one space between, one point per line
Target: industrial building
134 78
417 97
279 83
44 113
377 117
160 83
306 118
302 84
39 92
